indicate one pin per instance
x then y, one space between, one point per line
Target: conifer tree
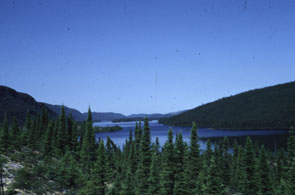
214 185
15 133
87 154
27 129
75 142
138 136
202 184
291 146
69 133
265 183
154 177
193 162
249 162
167 174
68 172
61 135
99 171
4 136
142 173
127 185
110 160
179 172
48 140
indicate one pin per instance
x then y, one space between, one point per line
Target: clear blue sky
144 56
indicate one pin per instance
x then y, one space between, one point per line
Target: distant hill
267 108
104 116
154 116
16 104
77 115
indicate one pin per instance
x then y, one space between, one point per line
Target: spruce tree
291 146
99 171
87 154
4 136
193 163
15 134
179 172
142 173
68 172
61 135
214 185
48 139
167 174
154 177
264 171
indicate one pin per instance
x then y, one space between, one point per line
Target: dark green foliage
48 144
142 173
16 105
99 171
264 173
87 153
15 133
4 137
167 175
62 132
214 180
193 160
140 167
179 171
267 108
68 173
155 170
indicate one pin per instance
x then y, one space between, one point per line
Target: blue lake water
272 139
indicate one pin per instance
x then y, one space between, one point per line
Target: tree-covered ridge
16 104
60 156
266 108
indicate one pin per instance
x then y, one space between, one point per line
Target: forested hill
16 104
267 108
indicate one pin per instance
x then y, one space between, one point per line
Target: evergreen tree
214 185
27 129
265 183
291 145
88 147
68 172
193 162
179 172
48 140
167 175
61 135
99 171
154 177
69 133
202 184
15 133
142 173
4 136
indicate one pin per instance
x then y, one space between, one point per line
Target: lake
272 139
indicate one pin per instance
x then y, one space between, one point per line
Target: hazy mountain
155 115
104 116
77 115
267 108
16 104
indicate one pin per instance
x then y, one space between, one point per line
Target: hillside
77 115
17 104
104 116
267 108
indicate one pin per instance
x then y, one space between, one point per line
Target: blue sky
144 56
